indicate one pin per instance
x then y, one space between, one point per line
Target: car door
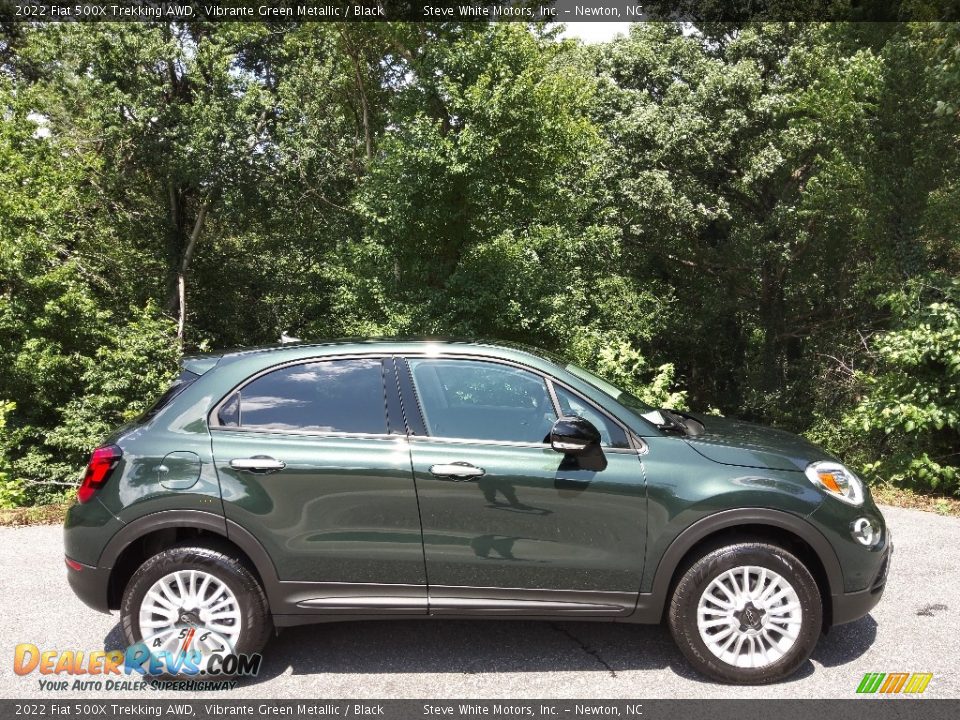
509 525
309 465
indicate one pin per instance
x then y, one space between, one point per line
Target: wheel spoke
761 583
154 623
178 578
780 595
731 596
729 630
714 623
712 597
158 598
202 590
164 588
783 609
220 605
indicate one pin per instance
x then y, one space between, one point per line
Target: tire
779 617
230 582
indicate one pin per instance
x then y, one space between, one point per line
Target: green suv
350 480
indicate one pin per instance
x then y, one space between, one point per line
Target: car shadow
845 643
498 646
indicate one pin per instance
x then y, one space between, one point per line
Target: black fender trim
650 605
211 522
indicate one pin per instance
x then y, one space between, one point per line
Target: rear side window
328 396
184 380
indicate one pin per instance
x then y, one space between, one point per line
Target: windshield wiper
667 421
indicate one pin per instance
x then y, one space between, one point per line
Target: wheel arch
785 529
148 534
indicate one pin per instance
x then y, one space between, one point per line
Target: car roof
397 345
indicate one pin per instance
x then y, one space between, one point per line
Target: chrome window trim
308 433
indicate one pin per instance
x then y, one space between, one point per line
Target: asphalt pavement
916 628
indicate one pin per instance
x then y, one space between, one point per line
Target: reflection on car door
510 525
307 463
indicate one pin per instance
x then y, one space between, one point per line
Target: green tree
908 417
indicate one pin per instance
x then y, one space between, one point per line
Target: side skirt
307 602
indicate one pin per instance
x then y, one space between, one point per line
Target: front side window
326 396
478 400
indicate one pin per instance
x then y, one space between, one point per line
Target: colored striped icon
892 683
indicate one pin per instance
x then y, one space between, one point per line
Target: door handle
257 464
457 471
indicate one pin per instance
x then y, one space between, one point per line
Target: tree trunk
178 299
361 91
181 306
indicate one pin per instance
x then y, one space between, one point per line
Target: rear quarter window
184 380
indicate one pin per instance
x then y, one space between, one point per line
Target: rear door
509 525
312 464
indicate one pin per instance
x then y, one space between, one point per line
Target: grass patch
36 515
901 497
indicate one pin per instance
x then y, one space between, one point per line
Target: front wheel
748 613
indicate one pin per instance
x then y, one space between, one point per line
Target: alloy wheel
749 617
188 600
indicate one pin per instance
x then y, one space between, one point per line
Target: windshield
666 420
621 396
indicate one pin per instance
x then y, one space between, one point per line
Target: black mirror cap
573 435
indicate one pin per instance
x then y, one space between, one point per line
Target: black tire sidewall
686 597
254 612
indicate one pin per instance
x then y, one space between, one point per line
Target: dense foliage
760 220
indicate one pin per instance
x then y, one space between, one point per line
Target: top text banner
479 11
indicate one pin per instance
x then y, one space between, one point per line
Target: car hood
735 442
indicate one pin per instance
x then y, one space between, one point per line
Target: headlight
837 481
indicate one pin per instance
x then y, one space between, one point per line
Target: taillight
102 462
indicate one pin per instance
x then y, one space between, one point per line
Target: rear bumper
90 585
853 606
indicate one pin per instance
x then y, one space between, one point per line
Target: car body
427 478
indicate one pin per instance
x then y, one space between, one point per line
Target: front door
307 463
510 525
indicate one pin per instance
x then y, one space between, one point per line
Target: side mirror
573 435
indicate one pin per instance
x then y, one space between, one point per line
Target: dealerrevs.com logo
894 683
194 660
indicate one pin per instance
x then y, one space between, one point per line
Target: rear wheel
748 613
195 598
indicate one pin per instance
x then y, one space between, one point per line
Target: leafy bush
132 366
616 360
910 401
125 376
11 490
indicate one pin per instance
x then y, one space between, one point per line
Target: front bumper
848 607
90 585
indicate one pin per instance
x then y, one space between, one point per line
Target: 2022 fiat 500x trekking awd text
354 480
